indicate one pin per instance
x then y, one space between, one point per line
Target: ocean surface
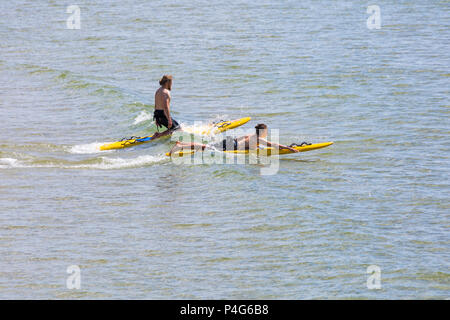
139 226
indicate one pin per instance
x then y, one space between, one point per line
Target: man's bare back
162 98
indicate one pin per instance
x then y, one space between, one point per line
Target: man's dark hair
260 126
165 79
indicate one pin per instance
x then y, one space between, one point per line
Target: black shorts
161 120
226 144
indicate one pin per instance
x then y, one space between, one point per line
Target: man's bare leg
164 133
184 145
161 134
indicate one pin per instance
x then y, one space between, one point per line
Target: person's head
261 130
166 82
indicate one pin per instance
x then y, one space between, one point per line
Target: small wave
9 163
203 127
143 116
120 163
199 128
86 148
104 163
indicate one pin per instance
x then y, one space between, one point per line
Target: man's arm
167 108
276 145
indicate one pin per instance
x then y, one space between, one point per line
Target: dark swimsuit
226 144
161 120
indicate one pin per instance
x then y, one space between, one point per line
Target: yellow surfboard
263 151
212 129
226 125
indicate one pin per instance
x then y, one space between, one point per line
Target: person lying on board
248 142
162 115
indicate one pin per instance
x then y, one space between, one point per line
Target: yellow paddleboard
263 151
126 143
213 128
227 125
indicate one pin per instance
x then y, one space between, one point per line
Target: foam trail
9 163
120 163
105 163
196 128
86 148
202 127
143 116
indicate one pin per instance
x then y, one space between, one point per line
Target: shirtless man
248 142
162 115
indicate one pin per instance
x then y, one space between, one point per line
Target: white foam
201 128
143 116
105 164
9 163
196 128
87 148
120 163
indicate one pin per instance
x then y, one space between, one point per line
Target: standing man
162 115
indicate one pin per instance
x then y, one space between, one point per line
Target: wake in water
121 163
8 163
94 147
104 163
203 128
200 128
143 116
86 148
